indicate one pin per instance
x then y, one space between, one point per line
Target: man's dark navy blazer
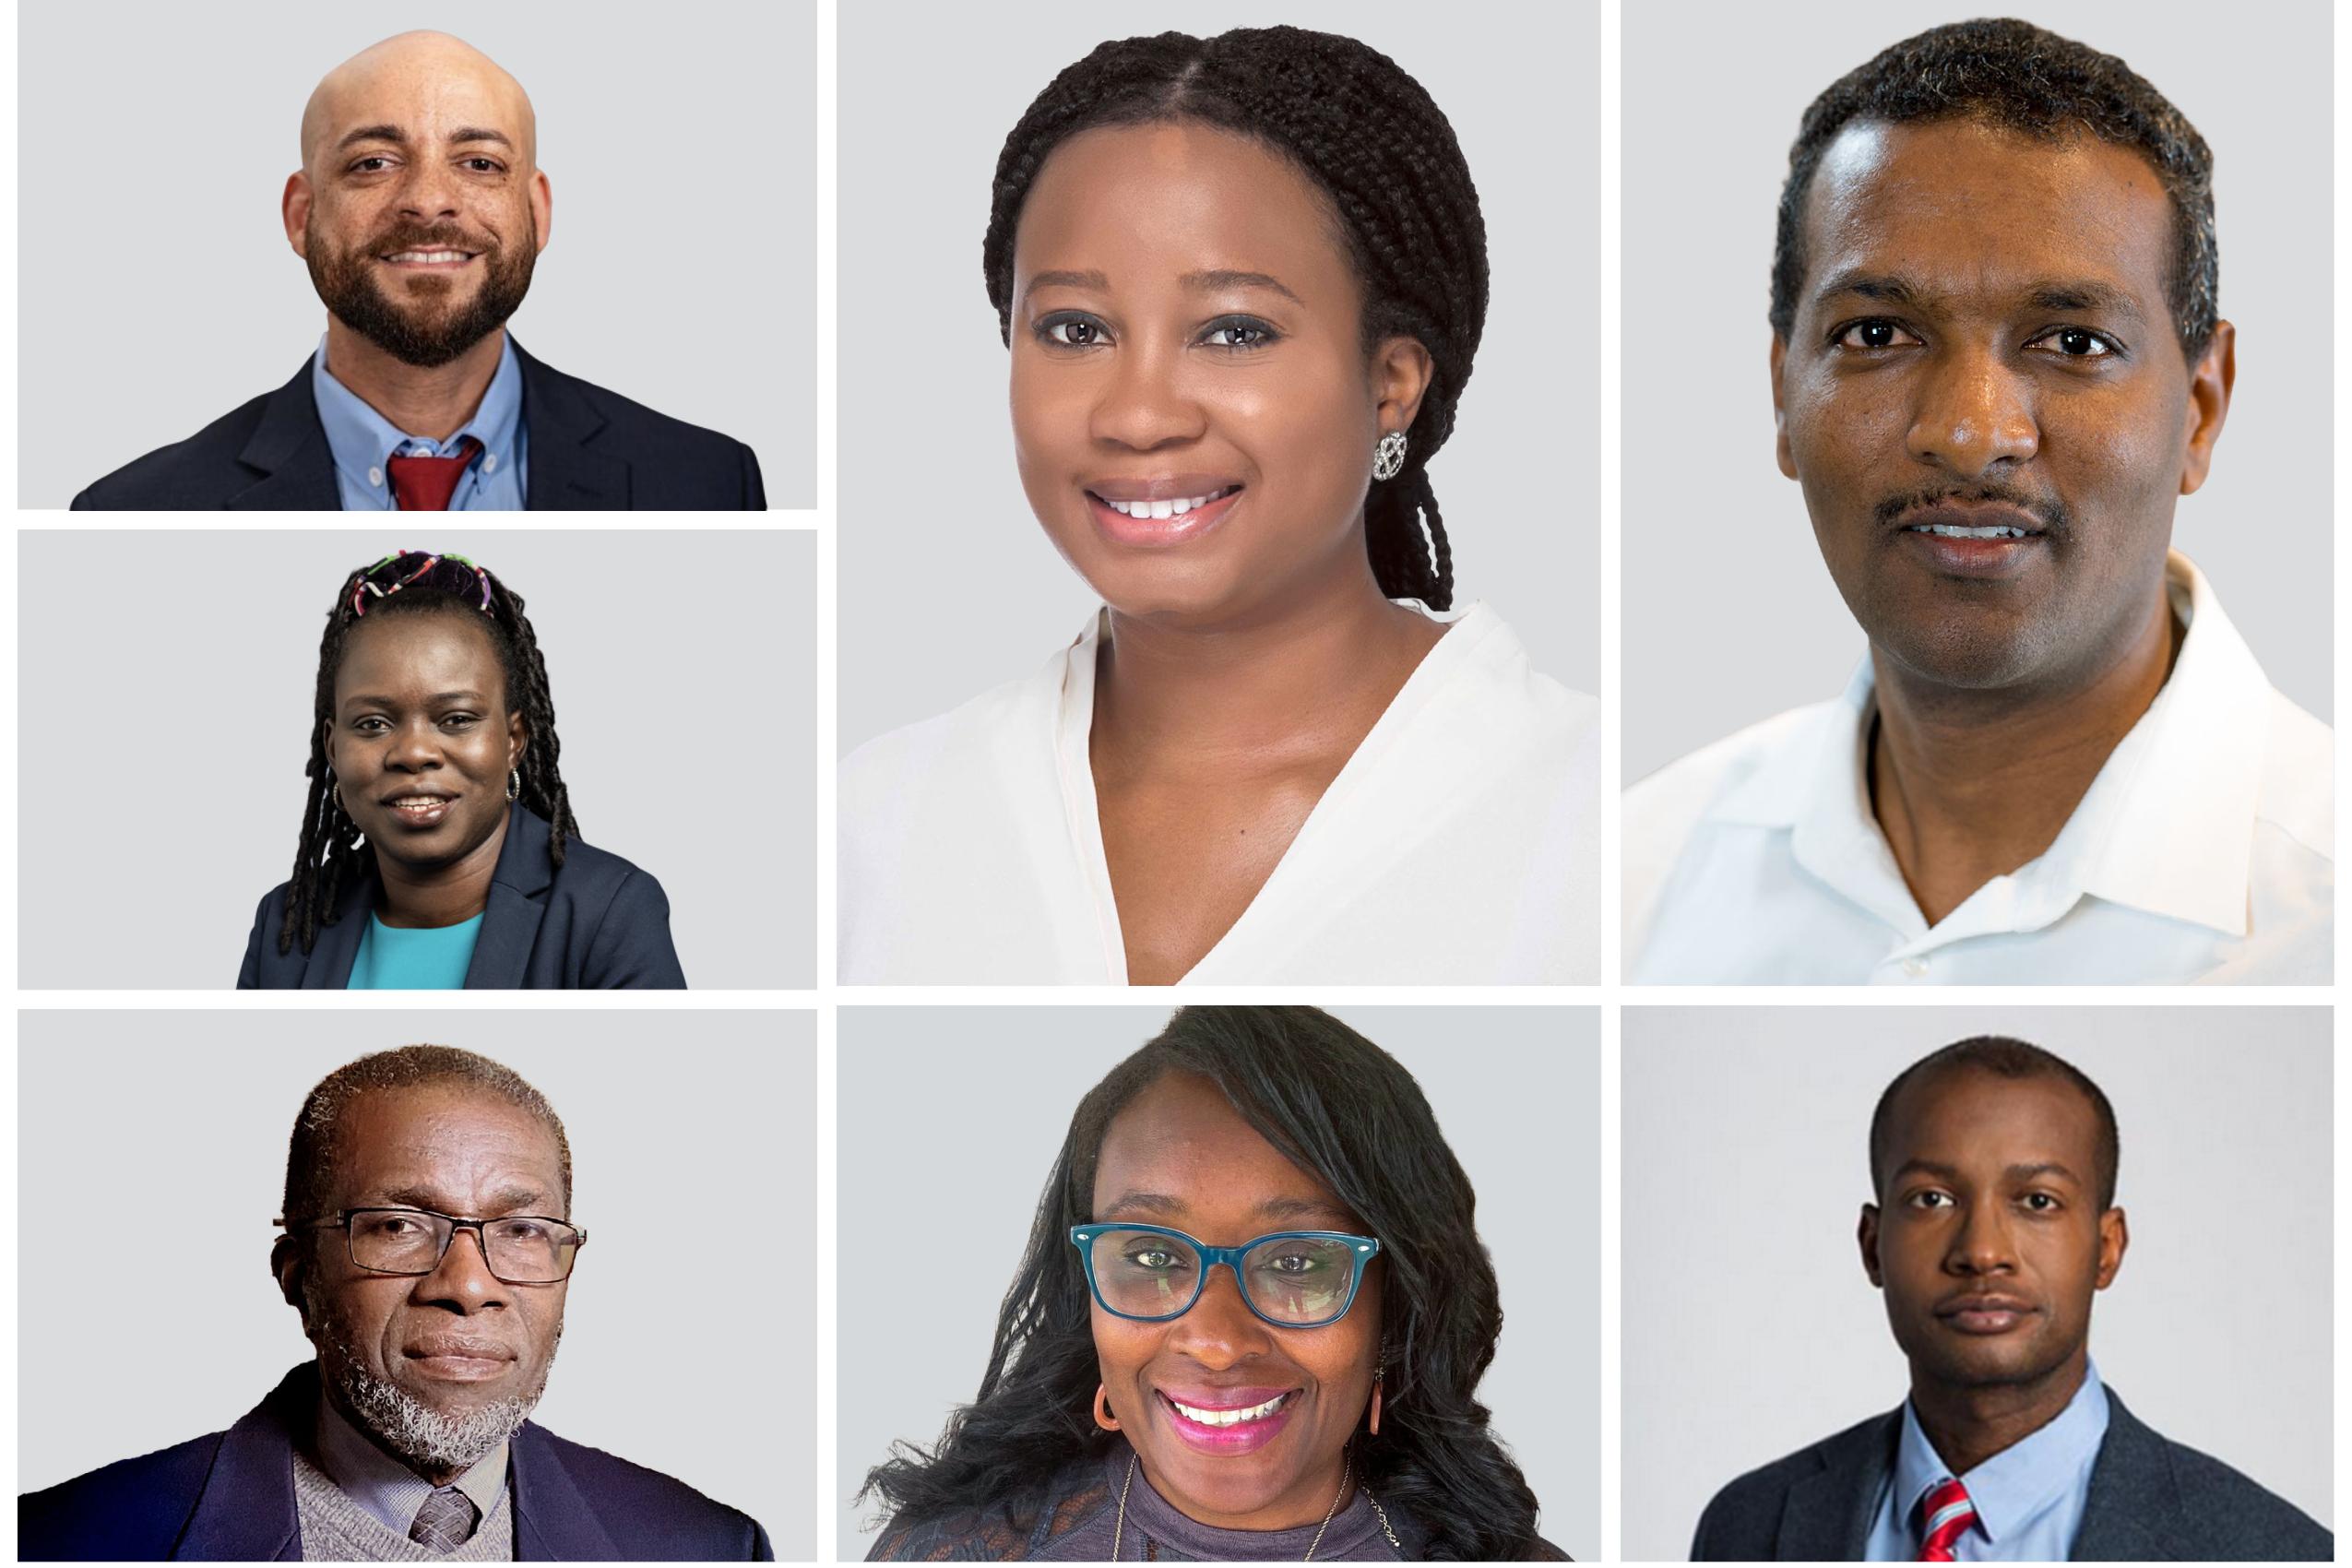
591 451
598 923
2151 1500
230 1497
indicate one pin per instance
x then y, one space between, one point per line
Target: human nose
462 1280
429 192
1982 1242
1220 1330
1974 413
1144 405
415 747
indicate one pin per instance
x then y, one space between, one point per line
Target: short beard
427 334
403 1425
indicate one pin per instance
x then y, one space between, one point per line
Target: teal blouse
395 958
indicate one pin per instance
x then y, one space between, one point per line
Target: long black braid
330 854
1365 132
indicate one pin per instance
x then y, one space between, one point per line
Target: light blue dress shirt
413 958
2029 1497
362 440
386 1489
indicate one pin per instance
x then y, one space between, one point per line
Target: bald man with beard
419 210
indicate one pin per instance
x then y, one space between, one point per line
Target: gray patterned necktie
445 1521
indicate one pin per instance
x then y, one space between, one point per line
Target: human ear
1780 452
294 208
286 1264
2211 380
1866 1237
519 740
1401 372
2115 1236
543 209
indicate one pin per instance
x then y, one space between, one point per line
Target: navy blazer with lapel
230 1497
596 925
2151 1500
591 451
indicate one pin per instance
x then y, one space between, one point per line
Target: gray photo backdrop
948 586
1730 615
681 267
1751 1331
961 1109
164 790
704 1375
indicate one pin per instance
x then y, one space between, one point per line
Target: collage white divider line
826 1485
2342 564
1612 693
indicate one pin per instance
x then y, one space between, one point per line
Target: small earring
514 783
1379 1373
1388 458
338 792
1102 1416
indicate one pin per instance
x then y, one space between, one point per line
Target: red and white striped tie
1949 1516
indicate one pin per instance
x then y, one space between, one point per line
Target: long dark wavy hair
331 852
1340 1107
1383 152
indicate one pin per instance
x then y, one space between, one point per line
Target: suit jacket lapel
517 891
290 454
552 1521
2132 1513
245 1513
564 473
338 947
1827 1515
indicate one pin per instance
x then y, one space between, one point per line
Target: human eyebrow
1227 277
1149 1203
2083 295
1941 1172
2034 1170
1068 279
1305 1209
506 1200
373 133
371 699
474 132
1884 287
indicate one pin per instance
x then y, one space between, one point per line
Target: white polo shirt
2204 851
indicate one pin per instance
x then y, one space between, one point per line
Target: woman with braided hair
1242 280
438 848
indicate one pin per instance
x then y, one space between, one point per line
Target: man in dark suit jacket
1994 1164
428 1251
420 210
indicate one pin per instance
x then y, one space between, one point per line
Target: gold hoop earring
514 783
1102 1416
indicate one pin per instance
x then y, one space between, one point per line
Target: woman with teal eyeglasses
438 848
1249 1325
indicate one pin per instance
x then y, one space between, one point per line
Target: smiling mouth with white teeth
1163 509
1229 1418
1948 531
422 808
430 259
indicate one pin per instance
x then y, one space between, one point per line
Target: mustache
429 237
2055 518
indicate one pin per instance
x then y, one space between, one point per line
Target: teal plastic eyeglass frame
1361 1250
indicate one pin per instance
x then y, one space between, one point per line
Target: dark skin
420 713
455 1150
1988 1240
1185 313
1983 334
1180 1154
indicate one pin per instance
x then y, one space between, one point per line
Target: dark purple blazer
230 1497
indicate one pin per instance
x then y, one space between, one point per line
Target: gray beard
420 1436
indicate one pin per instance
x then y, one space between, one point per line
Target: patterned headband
365 583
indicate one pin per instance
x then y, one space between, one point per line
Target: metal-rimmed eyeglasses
1292 1278
519 1249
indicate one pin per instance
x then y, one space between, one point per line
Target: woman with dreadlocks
1250 1326
1242 280
438 849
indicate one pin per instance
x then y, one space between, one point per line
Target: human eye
521 1229
2041 1203
373 163
393 1224
459 721
1239 332
1930 1198
2076 343
1872 335
1294 1264
1071 329
482 165
370 724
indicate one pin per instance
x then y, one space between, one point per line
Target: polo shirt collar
363 441
2016 1486
2165 826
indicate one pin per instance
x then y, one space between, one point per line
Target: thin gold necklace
1347 1473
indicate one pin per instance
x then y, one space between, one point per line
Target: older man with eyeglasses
428 1247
